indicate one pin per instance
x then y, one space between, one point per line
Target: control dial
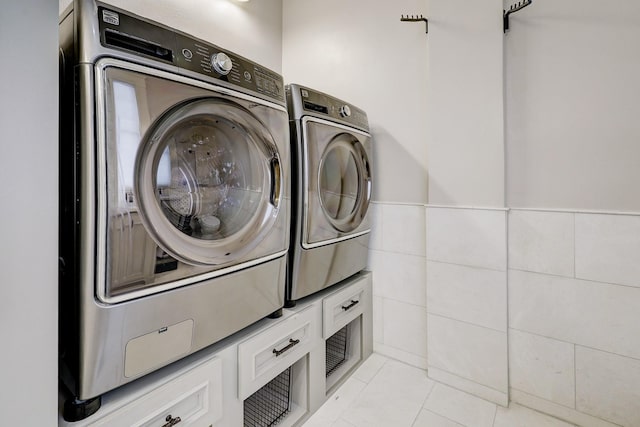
221 63
345 111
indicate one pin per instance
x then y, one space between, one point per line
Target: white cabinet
347 331
273 369
270 351
192 396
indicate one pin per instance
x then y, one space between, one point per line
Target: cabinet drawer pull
170 421
292 342
345 308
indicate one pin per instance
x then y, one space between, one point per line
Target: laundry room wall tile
542 366
473 237
608 248
592 314
608 386
472 352
375 237
405 327
404 229
569 414
378 319
469 294
541 242
400 277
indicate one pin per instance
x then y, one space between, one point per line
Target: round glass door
207 181
344 182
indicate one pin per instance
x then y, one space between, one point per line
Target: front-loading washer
174 197
331 191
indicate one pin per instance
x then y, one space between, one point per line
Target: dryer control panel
333 108
122 31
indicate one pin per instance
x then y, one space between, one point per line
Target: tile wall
574 315
538 307
467 299
397 258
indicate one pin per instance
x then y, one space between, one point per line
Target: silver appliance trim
306 245
100 176
105 62
305 238
189 280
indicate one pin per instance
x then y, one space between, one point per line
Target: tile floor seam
446 418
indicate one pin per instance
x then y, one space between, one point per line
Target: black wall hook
514 8
416 19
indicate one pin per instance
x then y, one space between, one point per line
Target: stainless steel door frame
96 171
314 217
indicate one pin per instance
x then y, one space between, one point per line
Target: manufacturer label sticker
110 17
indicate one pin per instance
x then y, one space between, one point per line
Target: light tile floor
386 393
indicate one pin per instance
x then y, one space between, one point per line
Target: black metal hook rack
416 19
513 9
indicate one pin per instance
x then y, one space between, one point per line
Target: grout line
575 272
472 381
445 417
595 282
495 413
578 344
543 273
402 302
398 253
467 207
506 296
466 265
467 323
575 377
577 211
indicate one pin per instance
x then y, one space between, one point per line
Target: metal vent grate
269 405
336 350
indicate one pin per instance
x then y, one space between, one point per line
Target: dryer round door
208 181
344 182
337 182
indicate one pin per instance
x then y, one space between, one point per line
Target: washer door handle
274 197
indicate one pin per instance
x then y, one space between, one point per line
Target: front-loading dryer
174 186
331 191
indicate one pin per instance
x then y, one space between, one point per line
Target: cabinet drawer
343 306
268 353
195 398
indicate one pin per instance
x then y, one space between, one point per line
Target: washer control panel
322 104
122 31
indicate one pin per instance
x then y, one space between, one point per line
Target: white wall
362 53
465 144
572 108
29 215
253 29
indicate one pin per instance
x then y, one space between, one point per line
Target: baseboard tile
468 386
401 355
562 412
